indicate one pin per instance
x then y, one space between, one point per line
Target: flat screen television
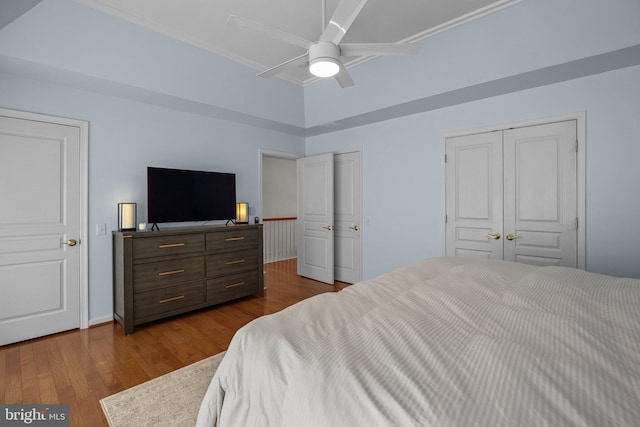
178 195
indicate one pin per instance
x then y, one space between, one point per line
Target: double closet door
512 194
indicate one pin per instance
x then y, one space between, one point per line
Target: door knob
512 237
354 228
328 227
495 236
71 242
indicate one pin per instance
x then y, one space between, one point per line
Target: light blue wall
127 136
403 169
149 100
529 35
66 35
532 60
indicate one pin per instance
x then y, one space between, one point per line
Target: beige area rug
170 400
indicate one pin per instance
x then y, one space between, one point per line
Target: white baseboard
99 320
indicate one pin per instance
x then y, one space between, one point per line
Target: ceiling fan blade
367 49
263 30
270 72
344 78
342 18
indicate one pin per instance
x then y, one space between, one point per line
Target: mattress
444 342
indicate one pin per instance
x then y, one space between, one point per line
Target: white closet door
315 218
540 187
474 196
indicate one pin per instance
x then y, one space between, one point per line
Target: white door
474 196
540 191
347 216
512 195
40 219
315 218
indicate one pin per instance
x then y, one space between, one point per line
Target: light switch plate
101 229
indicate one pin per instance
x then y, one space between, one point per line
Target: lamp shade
242 213
126 216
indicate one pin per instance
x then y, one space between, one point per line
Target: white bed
444 342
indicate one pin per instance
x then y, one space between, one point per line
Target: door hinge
446 218
577 145
445 158
577 223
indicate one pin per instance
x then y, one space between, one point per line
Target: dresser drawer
229 287
231 262
159 274
150 247
234 239
159 301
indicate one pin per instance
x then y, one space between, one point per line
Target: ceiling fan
323 56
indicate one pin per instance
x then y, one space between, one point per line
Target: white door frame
83 127
270 153
580 118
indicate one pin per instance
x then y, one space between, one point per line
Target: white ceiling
202 23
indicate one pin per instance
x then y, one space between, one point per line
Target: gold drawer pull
162 301
233 239
167 273
238 261
235 285
171 245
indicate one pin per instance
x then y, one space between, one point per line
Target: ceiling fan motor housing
324 56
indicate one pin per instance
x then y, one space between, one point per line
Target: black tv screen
177 195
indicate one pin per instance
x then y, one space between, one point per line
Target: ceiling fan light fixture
324 67
323 59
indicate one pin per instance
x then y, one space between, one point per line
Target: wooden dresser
157 274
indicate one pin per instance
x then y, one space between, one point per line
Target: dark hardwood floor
80 367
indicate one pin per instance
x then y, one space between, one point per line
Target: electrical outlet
101 229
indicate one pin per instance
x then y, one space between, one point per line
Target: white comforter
445 342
